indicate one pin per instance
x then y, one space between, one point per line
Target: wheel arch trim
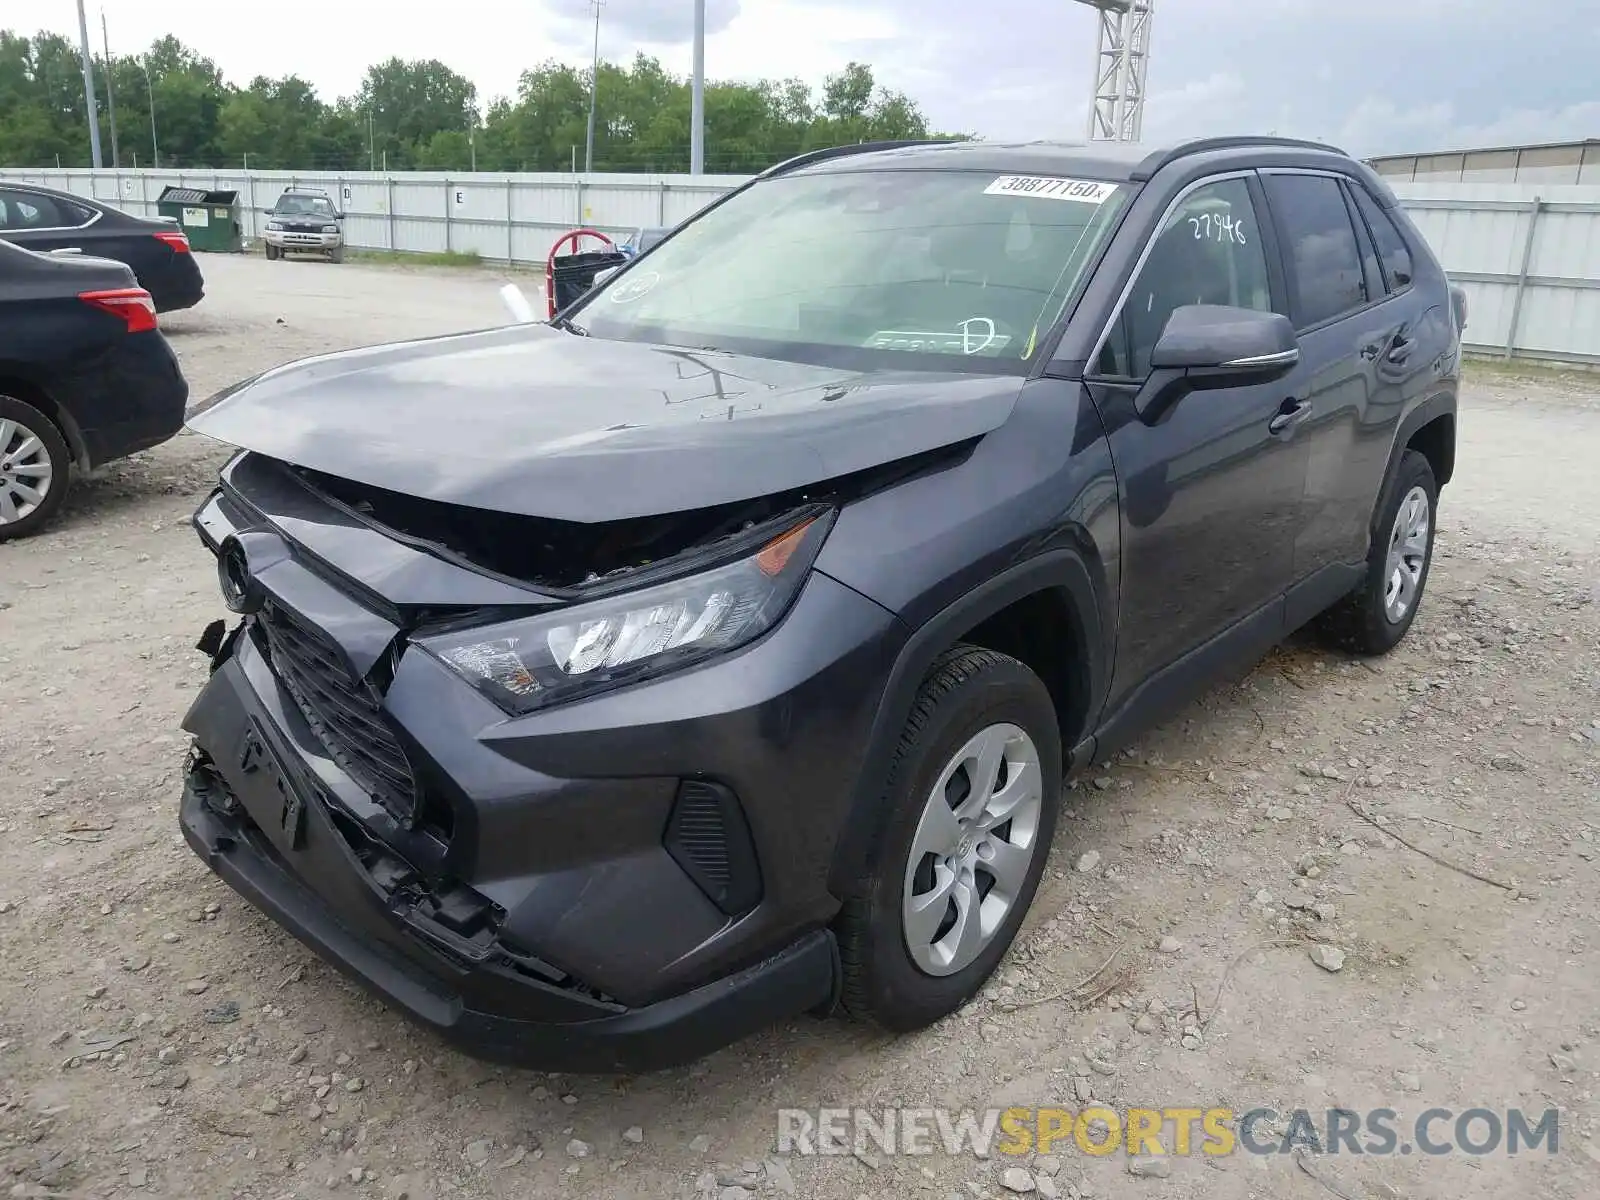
1059 570
1440 405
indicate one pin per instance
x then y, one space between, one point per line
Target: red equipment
575 236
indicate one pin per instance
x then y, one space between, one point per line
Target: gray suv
304 221
728 661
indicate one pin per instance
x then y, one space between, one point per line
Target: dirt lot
157 1037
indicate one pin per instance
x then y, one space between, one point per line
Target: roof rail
1160 158
828 152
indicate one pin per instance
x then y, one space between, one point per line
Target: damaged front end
467 757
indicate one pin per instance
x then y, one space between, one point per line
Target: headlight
275 225
330 229
532 663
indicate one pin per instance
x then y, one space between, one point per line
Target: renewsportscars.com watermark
1180 1131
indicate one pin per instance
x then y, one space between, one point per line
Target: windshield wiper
569 325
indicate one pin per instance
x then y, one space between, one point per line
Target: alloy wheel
26 473
974 845
1408 554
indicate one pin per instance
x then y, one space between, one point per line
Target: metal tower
1116 113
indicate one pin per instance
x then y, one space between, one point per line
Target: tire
972 700
34 469
273 253
1372 619
336 255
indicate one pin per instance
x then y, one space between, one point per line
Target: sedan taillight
133 305
178 241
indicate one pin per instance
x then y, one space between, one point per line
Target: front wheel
34 466
336 255
1372 619
972 798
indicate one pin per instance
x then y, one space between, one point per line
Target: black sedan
85 377
39 218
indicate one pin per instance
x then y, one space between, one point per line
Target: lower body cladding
623 883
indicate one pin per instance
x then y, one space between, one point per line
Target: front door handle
1290 413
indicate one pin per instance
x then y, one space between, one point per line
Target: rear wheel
34 466
972 797
273 252
1372 619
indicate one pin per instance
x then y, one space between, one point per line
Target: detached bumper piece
434 950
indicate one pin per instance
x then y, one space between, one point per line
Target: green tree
423 115
410 102
275 124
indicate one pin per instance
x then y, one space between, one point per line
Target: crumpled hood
537 422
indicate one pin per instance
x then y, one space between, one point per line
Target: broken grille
342 711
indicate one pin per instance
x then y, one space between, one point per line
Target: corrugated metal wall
1531 272
1560 162
508 217
1528 257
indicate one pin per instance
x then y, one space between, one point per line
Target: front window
303 206
924 269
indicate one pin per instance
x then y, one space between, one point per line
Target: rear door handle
1291 412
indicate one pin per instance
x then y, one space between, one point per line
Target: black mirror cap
1220 346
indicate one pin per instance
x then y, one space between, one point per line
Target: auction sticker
1085 191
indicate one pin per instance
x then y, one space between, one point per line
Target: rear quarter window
1393 252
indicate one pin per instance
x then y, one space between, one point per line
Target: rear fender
13 382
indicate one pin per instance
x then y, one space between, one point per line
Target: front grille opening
342 711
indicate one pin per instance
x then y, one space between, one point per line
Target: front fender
1061 570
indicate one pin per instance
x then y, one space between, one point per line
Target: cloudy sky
1373 75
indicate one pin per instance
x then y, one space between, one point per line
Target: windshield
303 206
922 269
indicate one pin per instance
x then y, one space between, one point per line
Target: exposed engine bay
573 556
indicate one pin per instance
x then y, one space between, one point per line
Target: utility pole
88 88
111 97
697 100
150 88
372 146
594 89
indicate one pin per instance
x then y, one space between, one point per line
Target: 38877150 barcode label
1085 191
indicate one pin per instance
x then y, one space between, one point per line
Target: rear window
954 270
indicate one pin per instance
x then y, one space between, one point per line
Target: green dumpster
210 218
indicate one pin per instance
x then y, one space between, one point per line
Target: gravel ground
1430 816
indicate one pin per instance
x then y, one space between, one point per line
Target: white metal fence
1527 254
1528 257
509 218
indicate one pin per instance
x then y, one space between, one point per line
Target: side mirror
1214 345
